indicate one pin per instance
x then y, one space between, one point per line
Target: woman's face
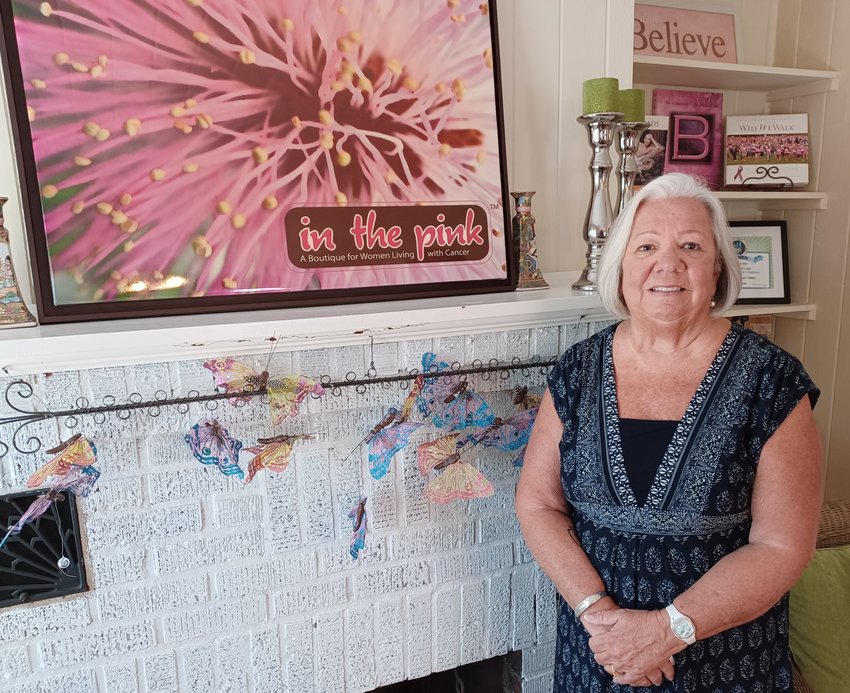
671 266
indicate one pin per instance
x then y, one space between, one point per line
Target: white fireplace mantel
83 345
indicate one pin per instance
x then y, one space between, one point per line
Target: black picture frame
203 228
763 248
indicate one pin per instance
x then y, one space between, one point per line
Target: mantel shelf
778 82
777 199
79 346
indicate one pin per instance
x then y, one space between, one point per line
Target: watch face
683 628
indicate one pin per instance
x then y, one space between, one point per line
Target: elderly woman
672 483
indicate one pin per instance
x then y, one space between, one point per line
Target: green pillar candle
600 95
630 102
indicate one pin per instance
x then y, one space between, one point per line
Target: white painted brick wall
203 583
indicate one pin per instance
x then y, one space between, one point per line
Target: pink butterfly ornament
232 377
273 453
210 443
287 394
76 452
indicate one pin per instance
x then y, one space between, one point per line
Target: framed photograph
186 157
762 248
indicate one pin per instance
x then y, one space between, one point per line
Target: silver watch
682 627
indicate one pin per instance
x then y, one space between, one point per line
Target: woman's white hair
669 187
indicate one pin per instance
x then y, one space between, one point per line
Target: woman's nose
669 259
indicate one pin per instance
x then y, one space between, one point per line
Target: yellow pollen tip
157 174
411 84
395 66
344 44
190 103
341 199
223 207
201 37
39 84
125 199
78 207
194 3
132 126
269 202
130 226
445 150
458 18
96 71
327 140
238 221
104 208
286 24
127 246
177 111
390 176
102 135
46 9
80 67
49 191
325 117
296 122
190 168
61 59
247 56
204 121
82 161
481 156
229 283
102 60
31 113
118 217
259 155
343 158
365 84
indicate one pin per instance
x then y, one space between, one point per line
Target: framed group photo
762 248
188 157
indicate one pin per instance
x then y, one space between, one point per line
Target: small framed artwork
762 248
189 157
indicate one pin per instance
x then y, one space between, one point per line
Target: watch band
587 602
682 626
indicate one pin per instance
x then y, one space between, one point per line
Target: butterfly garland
358 528
210 443
273 453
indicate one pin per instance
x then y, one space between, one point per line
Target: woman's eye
690 246
644 248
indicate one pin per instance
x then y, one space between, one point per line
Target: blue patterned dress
697 511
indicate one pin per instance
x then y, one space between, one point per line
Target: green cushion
820 621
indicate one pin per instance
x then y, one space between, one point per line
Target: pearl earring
713 303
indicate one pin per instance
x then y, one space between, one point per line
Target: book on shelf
651 150
695 132
767 151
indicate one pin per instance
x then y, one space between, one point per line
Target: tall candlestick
600 215
628 139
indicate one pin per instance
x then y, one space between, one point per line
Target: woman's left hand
636 643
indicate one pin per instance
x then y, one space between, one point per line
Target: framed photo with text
762 248
188 157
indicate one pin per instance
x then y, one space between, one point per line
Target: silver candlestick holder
628 139
600 214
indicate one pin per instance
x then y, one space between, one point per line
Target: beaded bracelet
587 602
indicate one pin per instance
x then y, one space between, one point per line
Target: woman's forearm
740 587
551 537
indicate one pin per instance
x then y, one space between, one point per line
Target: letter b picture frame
180 158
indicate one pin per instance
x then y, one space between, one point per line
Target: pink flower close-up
171 137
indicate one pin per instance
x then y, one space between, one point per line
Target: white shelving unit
775 83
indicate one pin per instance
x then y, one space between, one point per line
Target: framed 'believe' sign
185 157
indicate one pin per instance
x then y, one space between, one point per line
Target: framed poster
762 248
185 157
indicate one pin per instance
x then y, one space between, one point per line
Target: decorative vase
525 246
628 139
600 214
13 312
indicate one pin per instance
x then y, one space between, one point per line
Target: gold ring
611 670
